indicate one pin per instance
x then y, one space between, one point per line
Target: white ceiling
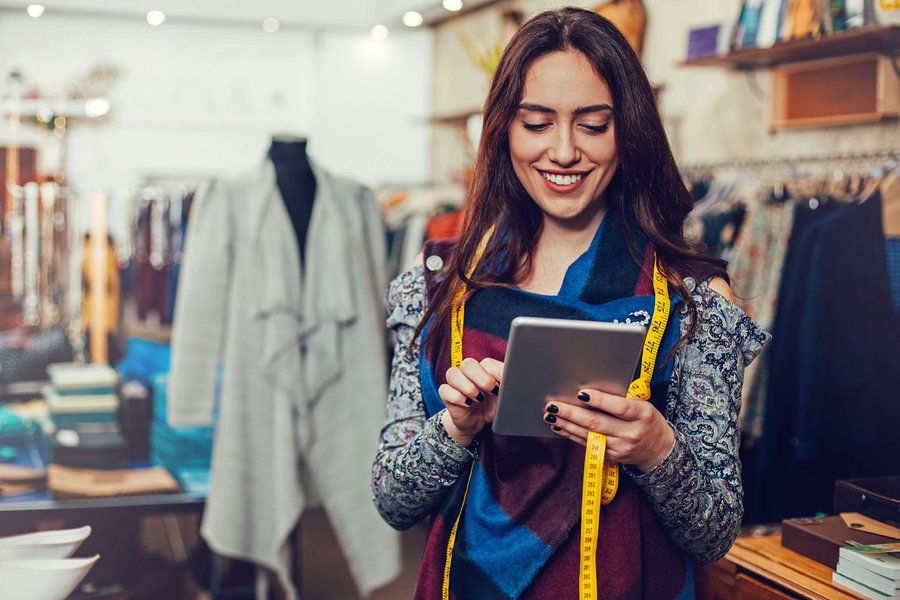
296 13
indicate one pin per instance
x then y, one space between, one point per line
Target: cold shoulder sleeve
417 461
696 491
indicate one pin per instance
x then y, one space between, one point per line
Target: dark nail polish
550 419
496 390
480 397
468 402
555 428
584 396
553 409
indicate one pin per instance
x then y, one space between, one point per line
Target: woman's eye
596 128
535 126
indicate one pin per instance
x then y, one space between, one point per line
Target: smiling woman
576 211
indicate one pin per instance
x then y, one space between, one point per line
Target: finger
452 396
477 374
561 432
586 419
494 368
458 379
627 409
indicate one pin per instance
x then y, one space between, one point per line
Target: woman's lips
563 182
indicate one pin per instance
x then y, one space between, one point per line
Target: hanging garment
304 378
756 264
831 408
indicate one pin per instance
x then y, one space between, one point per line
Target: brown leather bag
631 19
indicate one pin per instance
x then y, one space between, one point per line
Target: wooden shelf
881 38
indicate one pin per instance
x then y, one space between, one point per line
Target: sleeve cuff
443 444
666 472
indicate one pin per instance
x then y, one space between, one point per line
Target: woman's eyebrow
592 109
536 108
578 111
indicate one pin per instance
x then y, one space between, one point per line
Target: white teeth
562 179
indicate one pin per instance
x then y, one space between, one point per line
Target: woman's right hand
470 396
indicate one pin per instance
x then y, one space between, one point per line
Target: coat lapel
301 314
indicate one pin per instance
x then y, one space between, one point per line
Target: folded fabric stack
22 464
81 393
37 566
66 482
185 451
84 406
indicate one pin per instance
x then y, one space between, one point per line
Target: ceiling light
412 19
453 5
34 10
156 17
271 25
379 32
97 107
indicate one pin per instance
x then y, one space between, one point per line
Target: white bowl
43 544
52 579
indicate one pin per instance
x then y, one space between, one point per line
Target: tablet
551 359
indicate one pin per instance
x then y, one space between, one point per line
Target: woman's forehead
564 78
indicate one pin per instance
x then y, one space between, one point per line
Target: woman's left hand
636 433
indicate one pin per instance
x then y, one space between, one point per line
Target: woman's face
562 142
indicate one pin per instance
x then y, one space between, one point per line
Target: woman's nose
563 151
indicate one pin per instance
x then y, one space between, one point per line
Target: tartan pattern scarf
518 535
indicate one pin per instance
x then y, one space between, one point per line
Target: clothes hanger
890 204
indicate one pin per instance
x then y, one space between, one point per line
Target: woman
576 193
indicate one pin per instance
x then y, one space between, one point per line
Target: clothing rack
881 156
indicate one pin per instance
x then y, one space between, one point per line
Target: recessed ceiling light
156 17
379 32
453 5
271 25
35 10
412 19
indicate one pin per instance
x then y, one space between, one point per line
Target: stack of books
870 571
81 393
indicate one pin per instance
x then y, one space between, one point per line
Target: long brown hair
646 190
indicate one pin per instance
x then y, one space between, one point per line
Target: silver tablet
551 359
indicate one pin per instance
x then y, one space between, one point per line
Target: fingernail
584 396
496 390
555 428
550 419
468 402
553 409
480 397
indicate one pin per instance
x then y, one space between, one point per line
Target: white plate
56 544
52 579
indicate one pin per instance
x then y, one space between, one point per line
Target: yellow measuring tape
600 475
600 479
457 319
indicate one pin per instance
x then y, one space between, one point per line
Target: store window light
270 25
35 10
453 5
412 19
379 32
156 17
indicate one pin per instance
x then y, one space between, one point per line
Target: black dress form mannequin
296 183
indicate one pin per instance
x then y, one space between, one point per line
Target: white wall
205 99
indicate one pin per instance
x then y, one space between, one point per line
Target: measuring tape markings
594 463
